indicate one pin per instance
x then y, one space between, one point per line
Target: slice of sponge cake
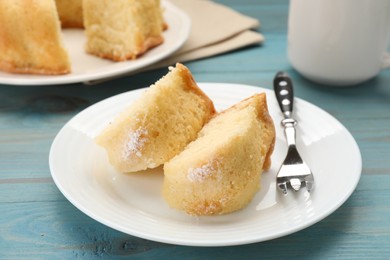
220 171
122 29
30 38
158 125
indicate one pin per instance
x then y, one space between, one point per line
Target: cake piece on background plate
30 38
122 29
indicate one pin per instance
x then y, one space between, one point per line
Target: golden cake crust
70 13
139 50
191 84
31 41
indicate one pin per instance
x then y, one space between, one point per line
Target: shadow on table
62 98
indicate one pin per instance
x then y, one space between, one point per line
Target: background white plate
132 203
87 67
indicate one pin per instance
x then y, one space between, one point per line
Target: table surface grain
36 221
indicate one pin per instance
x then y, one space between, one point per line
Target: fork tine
283 187
295 183
309 181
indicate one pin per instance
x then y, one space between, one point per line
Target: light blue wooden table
36 221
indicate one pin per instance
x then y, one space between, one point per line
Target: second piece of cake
220 171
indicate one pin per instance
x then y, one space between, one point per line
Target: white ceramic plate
132 203
87 67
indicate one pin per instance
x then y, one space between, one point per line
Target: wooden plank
57 229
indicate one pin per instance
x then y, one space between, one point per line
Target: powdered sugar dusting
203 172
136 141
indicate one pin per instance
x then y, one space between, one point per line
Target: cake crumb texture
122 29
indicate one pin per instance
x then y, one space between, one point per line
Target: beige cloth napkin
215 29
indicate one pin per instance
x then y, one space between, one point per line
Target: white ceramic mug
339 42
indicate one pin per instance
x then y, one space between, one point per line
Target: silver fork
294 172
